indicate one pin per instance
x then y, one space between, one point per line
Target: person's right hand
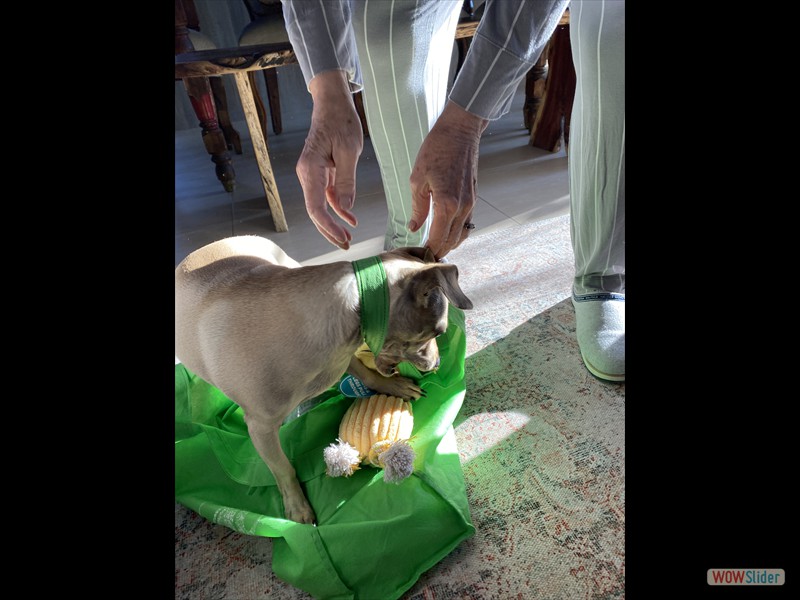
445 177
327 166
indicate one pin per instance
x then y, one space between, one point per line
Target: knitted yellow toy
374 431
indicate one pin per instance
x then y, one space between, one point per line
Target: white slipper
600 325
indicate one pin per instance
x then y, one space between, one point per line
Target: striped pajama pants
405 69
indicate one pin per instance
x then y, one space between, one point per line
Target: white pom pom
341 458
397 461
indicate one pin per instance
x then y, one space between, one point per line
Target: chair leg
358 100
202 99
559 93
274 99
463 47
232 138
261 111
535 82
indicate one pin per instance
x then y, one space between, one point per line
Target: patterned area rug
541 442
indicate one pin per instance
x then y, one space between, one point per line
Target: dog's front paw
398 386
299 510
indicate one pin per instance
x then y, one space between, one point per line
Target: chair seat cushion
201 41
264 30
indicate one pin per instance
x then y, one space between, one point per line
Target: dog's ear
444 277
424 254
449 277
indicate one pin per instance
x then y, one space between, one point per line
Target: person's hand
445 173
327 166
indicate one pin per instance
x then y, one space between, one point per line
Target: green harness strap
373 295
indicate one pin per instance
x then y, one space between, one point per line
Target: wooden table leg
274 99
262 153
261 110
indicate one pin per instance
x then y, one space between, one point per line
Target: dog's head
419 291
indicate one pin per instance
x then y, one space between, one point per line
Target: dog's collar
373 293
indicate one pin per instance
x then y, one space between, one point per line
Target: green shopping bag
373 539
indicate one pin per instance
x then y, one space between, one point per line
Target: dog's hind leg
264 434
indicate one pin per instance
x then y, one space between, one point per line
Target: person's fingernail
347 202
412 225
